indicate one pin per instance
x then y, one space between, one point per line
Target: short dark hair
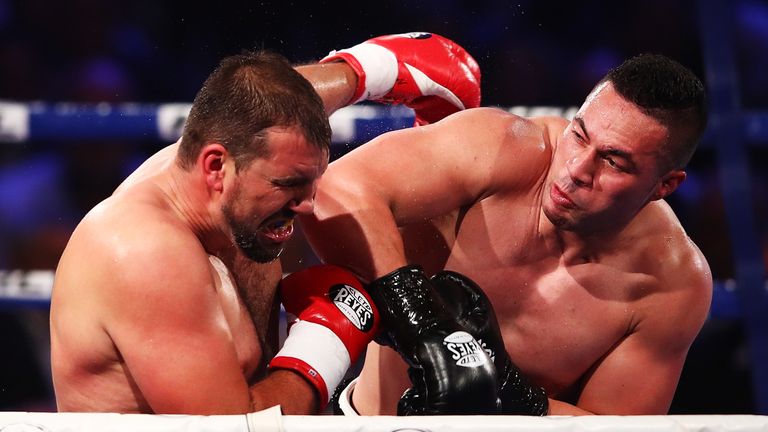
669 92
245 95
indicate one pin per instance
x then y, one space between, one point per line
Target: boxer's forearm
334 82
285 388
557 407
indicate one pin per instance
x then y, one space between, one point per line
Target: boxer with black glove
469 303
447 365
331 320
427 72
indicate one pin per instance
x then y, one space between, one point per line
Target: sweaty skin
140 312
598 290
155 310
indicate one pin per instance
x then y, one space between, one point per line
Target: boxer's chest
557 319
247 326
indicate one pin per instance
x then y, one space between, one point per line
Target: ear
669 182
212 161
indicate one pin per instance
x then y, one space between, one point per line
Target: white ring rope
271 420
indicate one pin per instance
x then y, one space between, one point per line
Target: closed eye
618 163
610 161
578 136
291 182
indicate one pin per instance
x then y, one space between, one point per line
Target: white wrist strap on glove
379 66
380 71
321 349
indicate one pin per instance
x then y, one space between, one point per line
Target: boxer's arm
409 175
427 72
639 376
167 323
334 82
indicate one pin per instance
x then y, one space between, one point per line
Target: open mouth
278 230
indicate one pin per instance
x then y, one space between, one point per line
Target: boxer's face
267 194
606 166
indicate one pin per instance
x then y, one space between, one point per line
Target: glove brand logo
488 350
464 349
417 35
353 304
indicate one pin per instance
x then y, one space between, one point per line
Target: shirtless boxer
165 299
597 289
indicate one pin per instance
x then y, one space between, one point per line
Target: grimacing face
266 195
606 165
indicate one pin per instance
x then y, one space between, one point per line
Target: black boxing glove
469 303
448 368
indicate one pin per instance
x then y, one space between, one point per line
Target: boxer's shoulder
679 280
663 242
126 234
151 167
129 244
518 149
496 132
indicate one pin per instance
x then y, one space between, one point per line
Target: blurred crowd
530 52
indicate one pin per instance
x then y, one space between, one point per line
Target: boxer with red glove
427 72
331 319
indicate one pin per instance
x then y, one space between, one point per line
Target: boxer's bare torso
601 315
559 312
115 291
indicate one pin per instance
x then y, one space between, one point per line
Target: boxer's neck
189 198
580 246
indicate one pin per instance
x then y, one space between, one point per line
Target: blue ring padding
74 122
10 304
69 122
55 122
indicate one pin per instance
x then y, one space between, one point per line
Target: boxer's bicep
174 339
420 172
351 226
397 178
640 374
635 378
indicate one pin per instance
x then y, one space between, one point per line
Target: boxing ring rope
68 122
64 122
271 421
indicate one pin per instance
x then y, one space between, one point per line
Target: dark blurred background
530 53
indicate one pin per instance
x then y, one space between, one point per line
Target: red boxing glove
331 319
427 72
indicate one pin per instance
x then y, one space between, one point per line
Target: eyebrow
580 121
292 179
608 150
622 154
617 152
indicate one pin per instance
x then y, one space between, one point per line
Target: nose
304 201
581 167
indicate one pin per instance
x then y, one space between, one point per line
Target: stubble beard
248 241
